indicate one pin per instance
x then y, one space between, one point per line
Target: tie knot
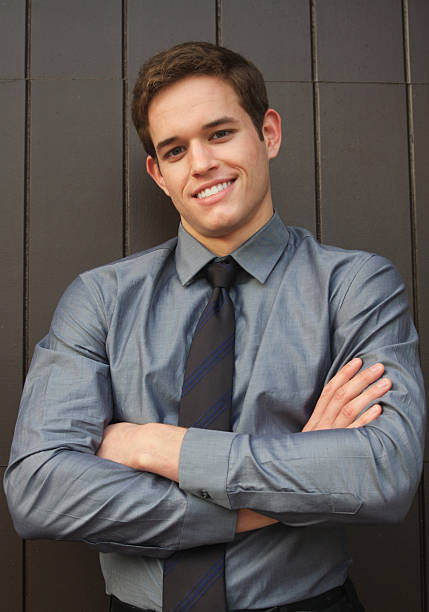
221 273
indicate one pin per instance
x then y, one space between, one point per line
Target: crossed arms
340 467
155 447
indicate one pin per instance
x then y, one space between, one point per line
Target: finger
348 413
348 392
346 373
367 417
342 377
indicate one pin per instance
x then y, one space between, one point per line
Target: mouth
213 190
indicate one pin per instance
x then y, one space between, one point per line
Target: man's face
211 160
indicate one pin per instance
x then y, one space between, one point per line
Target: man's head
191 59
207 151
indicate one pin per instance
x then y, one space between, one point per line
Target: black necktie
194 579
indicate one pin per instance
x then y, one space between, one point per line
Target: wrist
248 520
160 449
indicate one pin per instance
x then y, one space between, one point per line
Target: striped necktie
194 579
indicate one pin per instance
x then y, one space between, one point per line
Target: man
98 455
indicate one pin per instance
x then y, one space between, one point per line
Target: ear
272 131
153 170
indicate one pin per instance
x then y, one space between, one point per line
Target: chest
282 354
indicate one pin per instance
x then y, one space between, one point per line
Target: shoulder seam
137 255
88 286
359 268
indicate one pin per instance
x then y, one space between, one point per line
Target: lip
210 184
216 197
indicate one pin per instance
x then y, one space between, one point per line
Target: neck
225 245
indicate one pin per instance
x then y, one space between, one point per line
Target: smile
205 193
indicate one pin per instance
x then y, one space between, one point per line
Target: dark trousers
341 599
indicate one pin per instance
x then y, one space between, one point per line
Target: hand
346 395
152 447
248 520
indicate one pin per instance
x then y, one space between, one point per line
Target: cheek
174 183
254 157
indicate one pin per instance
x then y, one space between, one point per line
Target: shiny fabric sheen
117 349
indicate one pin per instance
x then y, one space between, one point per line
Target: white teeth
212 190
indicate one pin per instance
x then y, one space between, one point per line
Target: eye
221 134
174 152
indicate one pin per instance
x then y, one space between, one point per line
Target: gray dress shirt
117 349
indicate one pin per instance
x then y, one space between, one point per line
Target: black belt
312 604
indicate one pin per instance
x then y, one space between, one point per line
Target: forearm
314 476
249 520
304 478
57 488
340 475
76 496
151 447
358 475
348 474
155 447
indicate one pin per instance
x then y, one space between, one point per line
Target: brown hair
197 58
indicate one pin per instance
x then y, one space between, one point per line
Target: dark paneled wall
351 80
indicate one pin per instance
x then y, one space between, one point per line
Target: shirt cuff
206 523
203 466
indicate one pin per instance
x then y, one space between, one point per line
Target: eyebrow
166 142
211 124
220 121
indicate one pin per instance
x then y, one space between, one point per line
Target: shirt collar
258 255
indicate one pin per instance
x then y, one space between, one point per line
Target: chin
222 225
218 230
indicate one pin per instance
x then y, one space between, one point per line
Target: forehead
193 102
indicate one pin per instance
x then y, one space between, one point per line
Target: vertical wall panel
421 148
12 39
425 520
12 164
365 186
418 17
10 560
72 583
76 212
360 41
153 218
292 172
274 34
386 565
156 26
76 187
12 122
76 38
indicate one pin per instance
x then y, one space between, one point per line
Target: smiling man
211 412
215 168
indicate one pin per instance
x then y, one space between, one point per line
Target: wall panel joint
316 119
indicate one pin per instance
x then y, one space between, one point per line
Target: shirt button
205 494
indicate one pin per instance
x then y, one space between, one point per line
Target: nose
202 158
